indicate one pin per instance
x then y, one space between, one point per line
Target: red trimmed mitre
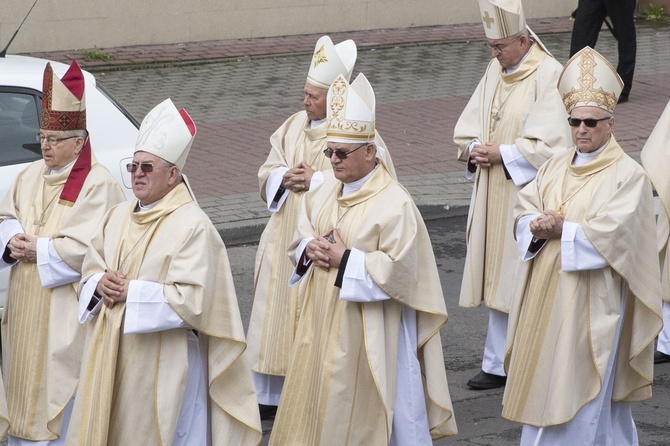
63 101
64 108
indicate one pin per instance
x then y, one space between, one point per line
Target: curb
249 232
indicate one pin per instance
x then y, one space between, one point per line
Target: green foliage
96 54
655 13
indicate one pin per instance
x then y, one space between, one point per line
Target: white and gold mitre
589 80
330 61
167 133
351 111
502 18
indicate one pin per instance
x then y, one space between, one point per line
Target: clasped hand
548 225
113 287
298 177
326 250
485 155
23 247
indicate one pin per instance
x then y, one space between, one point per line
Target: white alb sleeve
147 309
357 285
521 171
524 237
52 269
8 229
272 186
86 298
577 252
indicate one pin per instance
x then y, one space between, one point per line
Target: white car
113 131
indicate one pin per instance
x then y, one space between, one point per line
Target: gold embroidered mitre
502 18
589 80
351 111
167 133
330 61
63 100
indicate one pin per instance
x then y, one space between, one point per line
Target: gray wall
74 24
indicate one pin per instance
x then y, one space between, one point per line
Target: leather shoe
660 357
485 381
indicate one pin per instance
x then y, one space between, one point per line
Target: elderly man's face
315 102
510 50
589 139
359 161
150 187
64 149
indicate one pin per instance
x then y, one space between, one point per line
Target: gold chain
561 210
45 207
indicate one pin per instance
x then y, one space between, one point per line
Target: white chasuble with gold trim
562 323
341 381
275 310
521 108
133 385
43 342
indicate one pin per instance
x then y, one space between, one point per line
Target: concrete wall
74 24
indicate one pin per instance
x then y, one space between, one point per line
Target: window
19 121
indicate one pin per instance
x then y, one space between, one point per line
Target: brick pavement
240 91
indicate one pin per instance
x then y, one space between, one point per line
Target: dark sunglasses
145 167
589 122
340 154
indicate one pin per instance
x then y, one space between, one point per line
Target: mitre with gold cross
330 61
502 18
589 80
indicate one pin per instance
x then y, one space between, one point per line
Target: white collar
515 67
352 187
582 158
62 169
313 124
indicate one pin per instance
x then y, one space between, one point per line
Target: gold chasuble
654 158
571 317
275 310
133 385
522 108
341 380
42 340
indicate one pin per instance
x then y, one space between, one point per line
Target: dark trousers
589 18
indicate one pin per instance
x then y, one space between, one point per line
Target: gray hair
168 165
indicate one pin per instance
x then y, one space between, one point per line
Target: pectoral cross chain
39 223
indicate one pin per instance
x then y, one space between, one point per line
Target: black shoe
267 412
485 381
660 357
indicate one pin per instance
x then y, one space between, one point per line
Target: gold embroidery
320 56
486 18
587 93
337 125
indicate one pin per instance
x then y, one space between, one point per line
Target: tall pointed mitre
63 100
167 133
502 18
589 80
64 109
330 61
351 111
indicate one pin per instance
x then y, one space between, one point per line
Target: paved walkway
240 91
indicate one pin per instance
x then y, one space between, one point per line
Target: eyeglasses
589 122
144 167
501 46
51 140
341 154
